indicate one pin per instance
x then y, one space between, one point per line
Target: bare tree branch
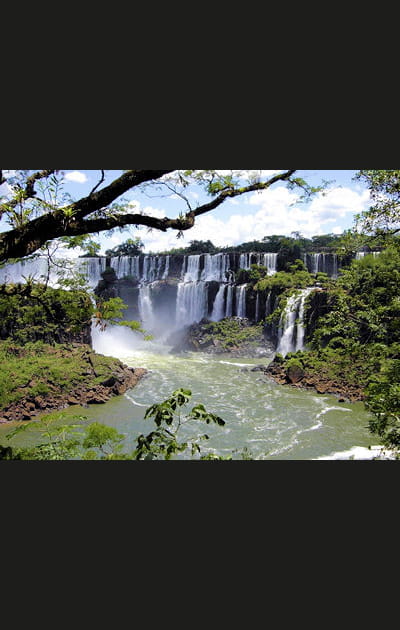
98 184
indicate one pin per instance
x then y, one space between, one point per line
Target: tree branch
29 190
105 196
98 184
24 241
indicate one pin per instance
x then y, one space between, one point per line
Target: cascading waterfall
360 255
229 300
176 290
127 266
146 307
241 300
322 263
37 268
300 325
191 303
291 324
193 269
268 260
257 307
215 267
166 270
316 263
244 261
218 311
268 310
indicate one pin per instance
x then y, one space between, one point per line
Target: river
267 420
264 420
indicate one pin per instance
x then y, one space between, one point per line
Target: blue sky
250 217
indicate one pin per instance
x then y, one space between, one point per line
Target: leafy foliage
383 217
99 441
383 401
163 442
35 312
355 340
131 247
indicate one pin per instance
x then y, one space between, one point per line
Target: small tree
163 442
131 247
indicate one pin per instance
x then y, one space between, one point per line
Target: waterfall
335 271
191 303
37 268
173 290
218 311
269 261
229 301
291 325
146 307
300 326
322 263
127 266
193 269
150 269
244 261
360 255
166 270
257 314
315 262
241 300
268 310
215 267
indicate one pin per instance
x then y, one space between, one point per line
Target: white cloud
76 176
340 202
272 211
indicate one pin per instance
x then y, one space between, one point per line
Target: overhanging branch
24 241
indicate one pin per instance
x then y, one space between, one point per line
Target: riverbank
38 378
291 373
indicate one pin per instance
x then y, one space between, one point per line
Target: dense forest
351 345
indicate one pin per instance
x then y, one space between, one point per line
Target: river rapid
264 420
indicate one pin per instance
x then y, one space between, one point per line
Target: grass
39 369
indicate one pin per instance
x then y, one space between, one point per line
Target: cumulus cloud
76 176
272 211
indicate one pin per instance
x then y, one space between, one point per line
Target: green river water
270 421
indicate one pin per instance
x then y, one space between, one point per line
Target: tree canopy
131 247
38 210
383 217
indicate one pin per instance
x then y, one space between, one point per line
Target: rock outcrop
297 377
101 378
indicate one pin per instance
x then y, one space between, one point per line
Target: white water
191 303
270 420
229 301
266 260
147 316
322 263
300 325
215 267
218 311
241 300
291 325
